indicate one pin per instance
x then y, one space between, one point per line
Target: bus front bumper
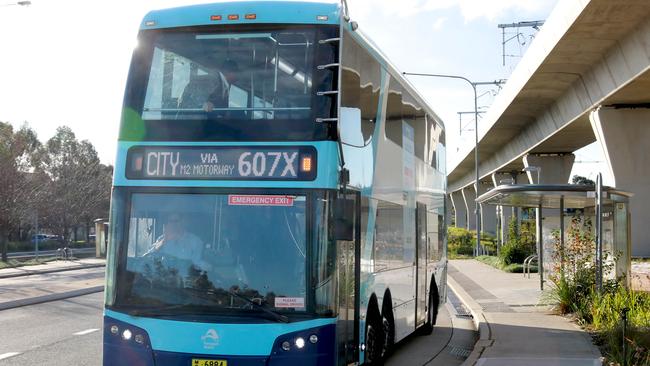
127 344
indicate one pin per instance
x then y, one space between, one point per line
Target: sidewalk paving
516 327
50 282
52 266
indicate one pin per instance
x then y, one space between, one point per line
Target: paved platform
516 324
49 285
52 266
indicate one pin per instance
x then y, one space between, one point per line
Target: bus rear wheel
374 342
388 329
432 314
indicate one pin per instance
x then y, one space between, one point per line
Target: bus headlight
126 335
286 345
300 342
313 338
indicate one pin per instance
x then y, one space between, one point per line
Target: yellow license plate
201 362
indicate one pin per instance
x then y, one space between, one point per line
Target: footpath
516 327
53 281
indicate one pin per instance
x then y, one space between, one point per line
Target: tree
580 180
80 189
16 163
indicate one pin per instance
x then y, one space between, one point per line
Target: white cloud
474 9
439 23
471 9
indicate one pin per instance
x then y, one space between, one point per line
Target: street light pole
19 3
473 84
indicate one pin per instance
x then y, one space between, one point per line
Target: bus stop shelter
555 204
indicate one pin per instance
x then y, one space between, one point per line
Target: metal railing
528 263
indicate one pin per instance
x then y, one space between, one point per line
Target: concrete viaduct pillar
460 209
504 213
488 213
623 134
469 194
554 169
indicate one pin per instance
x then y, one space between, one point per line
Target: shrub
489 242
521 242
575 292
512 253
460 241
497 263
607 309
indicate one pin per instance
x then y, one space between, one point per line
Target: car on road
45 237
39 237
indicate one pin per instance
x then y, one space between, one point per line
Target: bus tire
374 338
432 314
388 326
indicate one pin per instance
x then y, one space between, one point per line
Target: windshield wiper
276 316
156 311
273 314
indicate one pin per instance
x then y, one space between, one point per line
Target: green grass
13 263
497 263
606 319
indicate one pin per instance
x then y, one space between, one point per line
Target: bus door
421 274
348 270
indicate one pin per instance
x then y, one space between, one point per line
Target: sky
65 62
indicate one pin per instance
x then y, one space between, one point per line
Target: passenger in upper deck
219 97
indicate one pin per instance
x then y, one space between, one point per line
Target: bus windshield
214 253
229 82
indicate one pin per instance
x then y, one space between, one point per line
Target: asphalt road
65 332
26 287
68 332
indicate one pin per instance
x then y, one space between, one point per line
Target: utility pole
535 24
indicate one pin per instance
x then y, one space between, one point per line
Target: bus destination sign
222 162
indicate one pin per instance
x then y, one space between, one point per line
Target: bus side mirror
343 219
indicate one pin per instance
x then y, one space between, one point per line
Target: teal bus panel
326 173
266 12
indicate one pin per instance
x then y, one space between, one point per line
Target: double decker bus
278 197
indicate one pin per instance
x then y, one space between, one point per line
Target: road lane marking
9 354
87 331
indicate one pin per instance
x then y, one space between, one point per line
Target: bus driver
178 242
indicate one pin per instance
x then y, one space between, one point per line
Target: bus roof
383 59
265 11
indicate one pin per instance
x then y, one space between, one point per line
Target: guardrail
61 253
